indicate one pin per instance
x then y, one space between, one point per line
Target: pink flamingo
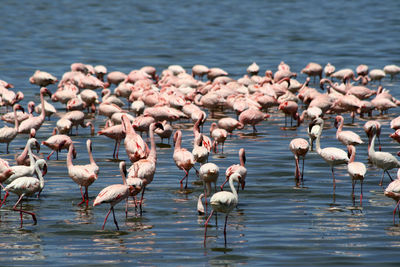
377 75
229 124
392 70
57 142
196 131
368 130
332 155
393 191
346 137
219 135
165 132
5 172
395 135
100 71
239 168
135 147
114 194
199 70
382 160
21 116
7 134
27 186
35 122
313 69
184 160
83 175
115 132
252 116
253 69
224 202
299 148
145 169
329 69
42 78
290 109
26 157
357 171
115 77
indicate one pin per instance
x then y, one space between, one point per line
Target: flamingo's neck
233 189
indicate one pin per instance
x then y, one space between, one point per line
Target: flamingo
208 173
200 207
392 70
27 186
377 75
253 69
219 135
252 116
382 160
356 170
395 135
5 172
114 194
393 191
368 130
57 142
313 69
199 70
332 155
224 202
184 160
166 132
289 108
329 69
115 132
135 147
35 122
346 137
83 175
27 156
299 148
145 169
196 131
200 152
7 134
42 78
100 71
239 168
22 170
230 124
10 118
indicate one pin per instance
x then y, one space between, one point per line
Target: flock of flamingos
158 100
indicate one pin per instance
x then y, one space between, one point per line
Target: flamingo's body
357 171
332 155
35 122
382 160
27 186
135 147
184 160
299 148
83 175
114 194
7 134
208 173
224 202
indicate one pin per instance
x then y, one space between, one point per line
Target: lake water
274 224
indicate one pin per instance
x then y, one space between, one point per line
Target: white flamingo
224 202
27 186
332 155
382 160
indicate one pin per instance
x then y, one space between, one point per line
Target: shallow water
275 223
